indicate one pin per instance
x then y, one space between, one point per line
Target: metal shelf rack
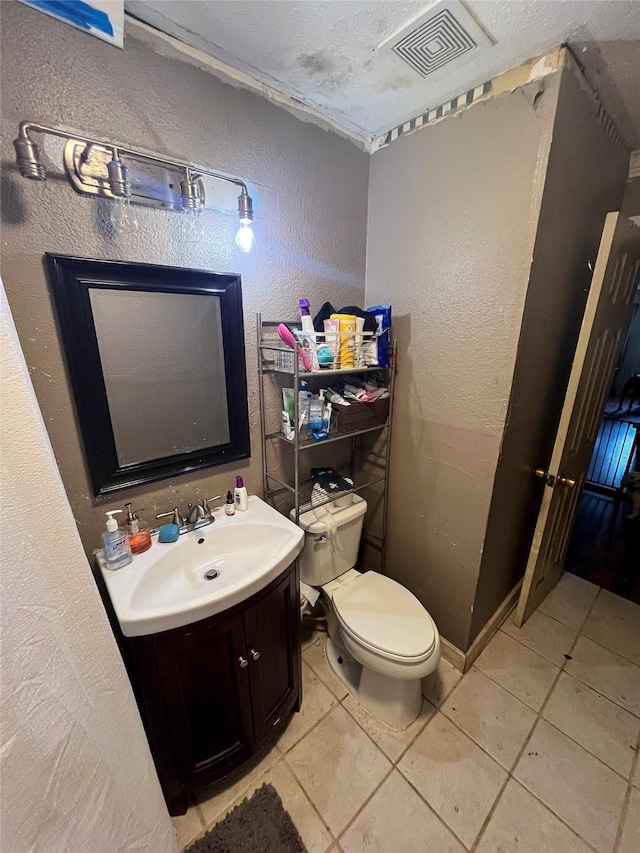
297 494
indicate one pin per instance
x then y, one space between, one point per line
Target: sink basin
205 572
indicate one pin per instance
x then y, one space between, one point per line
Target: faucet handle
205 503
176 516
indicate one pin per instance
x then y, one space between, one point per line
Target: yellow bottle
347 339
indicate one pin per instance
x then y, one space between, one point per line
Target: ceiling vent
436 38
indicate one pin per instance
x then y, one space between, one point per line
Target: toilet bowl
382 641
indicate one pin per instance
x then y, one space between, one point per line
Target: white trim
462 660
452 654
495 621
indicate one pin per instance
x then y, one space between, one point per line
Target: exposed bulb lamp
192 202
122 216
245 238
116 183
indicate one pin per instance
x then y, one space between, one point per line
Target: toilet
381 640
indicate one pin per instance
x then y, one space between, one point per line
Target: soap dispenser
137 531
117 552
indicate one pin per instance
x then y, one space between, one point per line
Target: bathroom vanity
214 693
209 630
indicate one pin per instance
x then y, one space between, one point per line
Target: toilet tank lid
317 520
385 616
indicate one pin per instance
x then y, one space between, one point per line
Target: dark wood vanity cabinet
214 693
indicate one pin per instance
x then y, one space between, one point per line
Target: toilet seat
383 616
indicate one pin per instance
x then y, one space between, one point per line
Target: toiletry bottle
137 531
305 316
230 506
117 552
241 496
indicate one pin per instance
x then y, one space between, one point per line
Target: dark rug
258 825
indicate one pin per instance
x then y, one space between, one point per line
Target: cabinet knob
244 663
255 655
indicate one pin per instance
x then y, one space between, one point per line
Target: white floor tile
392 743
618 635
578 586
630 839
396 819
315 835
339 767
315 656
187 827
458 779
495 719
595 722
521 824
520 670
215 802
615 677
576 786
567 607
618 606
437 686
543 635
316 702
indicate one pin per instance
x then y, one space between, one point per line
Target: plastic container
241 497
117 552
137 531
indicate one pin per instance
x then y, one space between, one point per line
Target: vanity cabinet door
206 690
271 634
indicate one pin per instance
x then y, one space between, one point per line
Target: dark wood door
206 690
271 633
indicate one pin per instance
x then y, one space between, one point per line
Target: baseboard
492 625
452 654
462 660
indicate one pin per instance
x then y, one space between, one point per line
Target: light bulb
193 225
122 216
245 238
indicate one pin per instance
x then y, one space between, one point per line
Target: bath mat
259 824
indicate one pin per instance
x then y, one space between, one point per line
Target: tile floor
534 750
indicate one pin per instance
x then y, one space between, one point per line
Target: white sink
166 586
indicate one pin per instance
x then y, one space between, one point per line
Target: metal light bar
30 165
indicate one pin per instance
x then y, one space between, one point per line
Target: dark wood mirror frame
71 280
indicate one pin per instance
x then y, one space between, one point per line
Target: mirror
156 362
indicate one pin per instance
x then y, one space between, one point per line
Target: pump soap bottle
137 531
241 497
117 552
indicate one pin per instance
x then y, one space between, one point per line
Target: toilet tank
332 539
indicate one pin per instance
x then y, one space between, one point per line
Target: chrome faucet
199 515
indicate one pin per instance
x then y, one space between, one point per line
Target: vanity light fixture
96 167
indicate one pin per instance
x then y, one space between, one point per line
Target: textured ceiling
324 52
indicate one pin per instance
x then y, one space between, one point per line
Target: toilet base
395 702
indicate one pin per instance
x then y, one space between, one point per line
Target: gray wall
452 218
585 180
311 231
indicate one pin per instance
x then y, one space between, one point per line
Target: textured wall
452 219
585 180
77 774
311 231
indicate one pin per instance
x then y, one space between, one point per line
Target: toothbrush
289 339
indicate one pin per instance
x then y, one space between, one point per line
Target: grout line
511 773
625 806
291 770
